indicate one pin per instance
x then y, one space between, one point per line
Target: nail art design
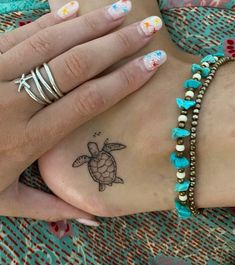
68 10
154 59
119 9
151 25
88 222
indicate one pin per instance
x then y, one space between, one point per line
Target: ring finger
53 41
12 38
90 59
85 61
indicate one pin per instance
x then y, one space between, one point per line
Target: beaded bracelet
185 204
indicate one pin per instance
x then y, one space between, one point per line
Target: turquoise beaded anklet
185 204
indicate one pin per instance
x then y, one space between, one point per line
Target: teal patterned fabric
150 238
200 30
168 4
16 13
199 26
7 6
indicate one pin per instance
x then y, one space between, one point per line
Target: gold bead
180 154
180 141
180 180
181 125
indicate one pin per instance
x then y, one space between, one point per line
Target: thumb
20 200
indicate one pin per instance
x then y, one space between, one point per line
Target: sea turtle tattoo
101 164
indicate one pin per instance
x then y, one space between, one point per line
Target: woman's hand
76 52
142 122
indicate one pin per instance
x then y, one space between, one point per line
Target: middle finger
90 59
53 41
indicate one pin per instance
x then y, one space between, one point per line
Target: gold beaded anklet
185 204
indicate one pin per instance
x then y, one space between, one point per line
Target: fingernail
88 222
151 25
68 10
120 9
154 59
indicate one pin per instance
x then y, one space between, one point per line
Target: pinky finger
92 98
11 39
19 200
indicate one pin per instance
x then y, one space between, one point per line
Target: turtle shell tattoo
101 164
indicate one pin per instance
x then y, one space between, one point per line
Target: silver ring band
34 97
40 90
51 78
41 85
42 80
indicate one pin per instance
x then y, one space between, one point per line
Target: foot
142 122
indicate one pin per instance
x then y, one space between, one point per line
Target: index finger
53 41
11 39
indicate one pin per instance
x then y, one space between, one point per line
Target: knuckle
14 148
41 42
6 42
76 65
42 22
89 101
124 40
31 136
90 24
127 78
34 136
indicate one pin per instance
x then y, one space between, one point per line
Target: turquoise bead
191 83
208 59
179 162
219 54
195 68
205 71
178 132
183 211
182 186
185 104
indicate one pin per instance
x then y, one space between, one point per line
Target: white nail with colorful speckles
88 222
151 25
120 9
154 59
68 10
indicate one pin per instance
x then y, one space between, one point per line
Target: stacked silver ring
43 87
